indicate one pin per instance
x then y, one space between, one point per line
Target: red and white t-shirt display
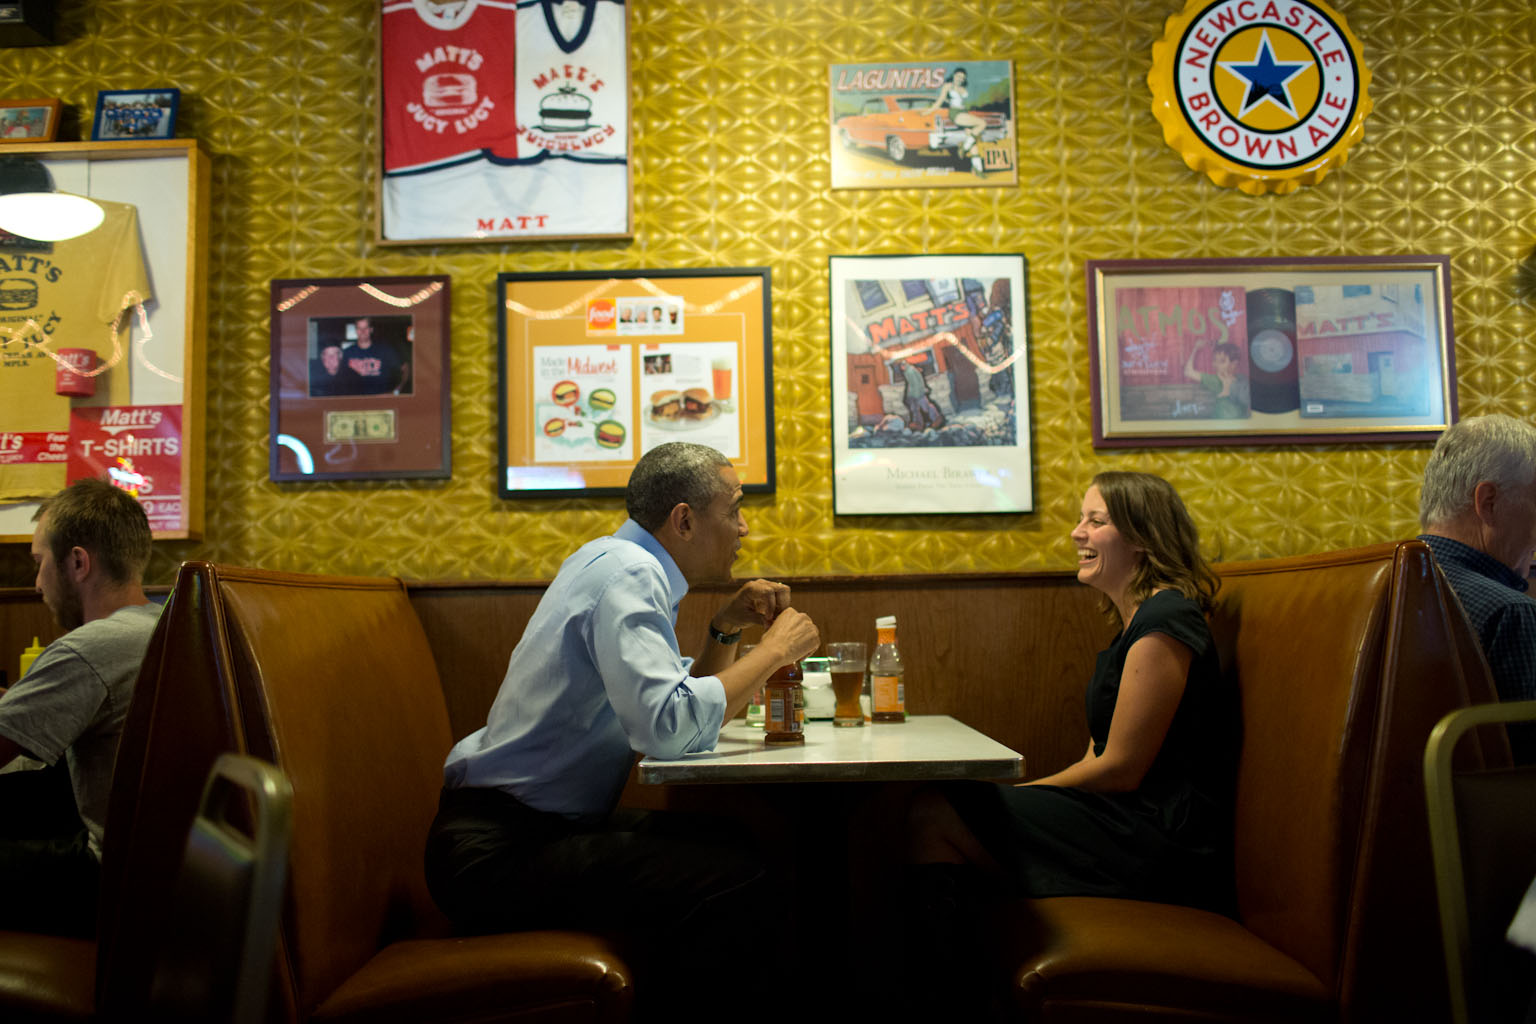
564 170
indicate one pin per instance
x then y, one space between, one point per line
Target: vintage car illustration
901 125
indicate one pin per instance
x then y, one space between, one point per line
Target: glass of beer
848 660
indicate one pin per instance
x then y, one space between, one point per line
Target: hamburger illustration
601 400
554 427
695 403
666 405
610 434
565 393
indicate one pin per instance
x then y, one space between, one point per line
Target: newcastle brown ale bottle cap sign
1261 95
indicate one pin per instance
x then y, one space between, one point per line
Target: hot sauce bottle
888 689
785 705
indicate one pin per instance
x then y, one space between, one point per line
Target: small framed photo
135 114
930 385
1271 350
29 120
360 379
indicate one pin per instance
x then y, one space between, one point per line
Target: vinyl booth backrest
1344 662
338 687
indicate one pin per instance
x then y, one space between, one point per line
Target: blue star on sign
1268 79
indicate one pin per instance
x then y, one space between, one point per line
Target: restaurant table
922 747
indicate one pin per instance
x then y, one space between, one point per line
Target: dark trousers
44 852
684 896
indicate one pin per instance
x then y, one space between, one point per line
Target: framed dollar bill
1271 350
360 378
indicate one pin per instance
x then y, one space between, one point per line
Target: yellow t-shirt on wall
55 296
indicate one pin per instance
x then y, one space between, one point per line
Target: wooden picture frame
29 121
504 122
166 182
135 114
360 374
1271 350
599 367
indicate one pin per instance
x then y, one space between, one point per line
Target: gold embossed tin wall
731 170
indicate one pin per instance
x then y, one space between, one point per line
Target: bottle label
888 694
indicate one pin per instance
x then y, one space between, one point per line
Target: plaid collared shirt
1504 618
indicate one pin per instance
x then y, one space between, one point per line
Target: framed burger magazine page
360 379
1274 350
597 368
505 121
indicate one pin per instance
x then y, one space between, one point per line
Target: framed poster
135 114
29 120
924 124
930 385
1270 350
599 367
360 378
504 121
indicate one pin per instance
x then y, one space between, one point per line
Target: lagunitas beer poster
137 448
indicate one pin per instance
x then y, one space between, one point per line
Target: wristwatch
723 638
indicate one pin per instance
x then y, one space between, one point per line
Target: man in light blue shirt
527 835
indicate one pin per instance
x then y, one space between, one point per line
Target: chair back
229 893
1482 831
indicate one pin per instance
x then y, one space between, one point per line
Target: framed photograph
923 124
29 120
1272 350
135 114
930 385
599 367
504 121
360 378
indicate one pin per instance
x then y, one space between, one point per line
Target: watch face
1270 350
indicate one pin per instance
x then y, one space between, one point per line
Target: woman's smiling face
1106 561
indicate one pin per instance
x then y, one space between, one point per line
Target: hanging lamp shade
29 206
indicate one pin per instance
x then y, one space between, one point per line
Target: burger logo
18 293
610 434
554 427
1261 95
565 393
602 400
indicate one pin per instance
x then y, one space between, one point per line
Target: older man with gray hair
1478 513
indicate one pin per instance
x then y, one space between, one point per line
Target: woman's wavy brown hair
1149 513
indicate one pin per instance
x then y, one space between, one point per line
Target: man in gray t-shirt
91 545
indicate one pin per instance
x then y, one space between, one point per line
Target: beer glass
848 661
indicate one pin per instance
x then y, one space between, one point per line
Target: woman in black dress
1147 812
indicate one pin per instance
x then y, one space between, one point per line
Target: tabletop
922 747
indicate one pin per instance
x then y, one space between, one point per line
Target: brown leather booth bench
1344 662
331 679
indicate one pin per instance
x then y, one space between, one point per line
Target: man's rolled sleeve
664 711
